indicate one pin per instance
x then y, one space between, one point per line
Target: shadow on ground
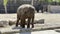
41 21
28 30
23 30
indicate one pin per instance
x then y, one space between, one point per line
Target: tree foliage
5 2
5 5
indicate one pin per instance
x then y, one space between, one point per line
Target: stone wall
54 9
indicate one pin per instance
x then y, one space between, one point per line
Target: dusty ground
48 19
41 32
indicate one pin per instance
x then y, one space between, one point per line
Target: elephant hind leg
33 22
28 24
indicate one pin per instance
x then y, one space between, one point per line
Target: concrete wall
55 9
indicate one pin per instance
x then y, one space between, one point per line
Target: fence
13 5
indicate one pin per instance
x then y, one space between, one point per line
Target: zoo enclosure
14 4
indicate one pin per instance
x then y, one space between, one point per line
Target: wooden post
49 7
32 2
15 1
6 9
5 5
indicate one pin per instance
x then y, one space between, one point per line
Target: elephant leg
28 24
17 22
33 22
23 23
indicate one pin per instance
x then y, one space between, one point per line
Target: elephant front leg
23 23
17 22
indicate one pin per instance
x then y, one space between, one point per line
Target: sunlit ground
48 19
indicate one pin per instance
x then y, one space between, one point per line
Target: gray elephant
24 12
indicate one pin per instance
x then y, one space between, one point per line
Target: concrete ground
41 32
50 19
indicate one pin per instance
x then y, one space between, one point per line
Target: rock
41 21
3 23
57 30
0 33
12 22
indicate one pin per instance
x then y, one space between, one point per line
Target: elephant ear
31 9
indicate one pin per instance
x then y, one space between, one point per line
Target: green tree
49 1
5 5
59 0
